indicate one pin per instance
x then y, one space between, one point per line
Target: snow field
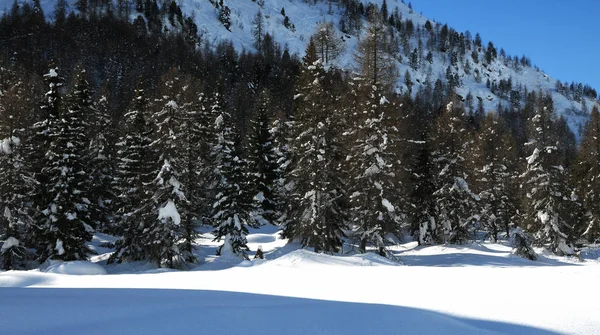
476 289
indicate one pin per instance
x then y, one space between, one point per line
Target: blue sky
559 36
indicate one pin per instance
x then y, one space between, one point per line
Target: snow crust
76 268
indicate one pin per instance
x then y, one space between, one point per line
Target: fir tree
164 228
174 143
16 184
494 174
262 163
64 227
372 173
102 169
135 173
549 203
421 209
588 174
231 208
455 202
281 131
317 218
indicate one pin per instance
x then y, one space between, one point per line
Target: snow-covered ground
474 289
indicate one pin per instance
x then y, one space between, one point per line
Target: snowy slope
479 289
305 16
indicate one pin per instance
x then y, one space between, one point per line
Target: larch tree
375 61
258 31
328 43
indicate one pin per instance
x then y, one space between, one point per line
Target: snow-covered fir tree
63 230
317 217
262 163
232 208
199 134
418 162
281 131
494 161
588 175
455 203
16 183
176 142
136 160
164 223
549 205
46 120
372 165
101 159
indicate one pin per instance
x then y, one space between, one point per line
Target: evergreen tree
231 208
164 229
317 218
173 143
421 209
135 172
549 204
281 131
16 183
64 227
225 17
455 202
372 186
494 159
588 174
102 168
262 163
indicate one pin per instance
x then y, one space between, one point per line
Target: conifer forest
122 118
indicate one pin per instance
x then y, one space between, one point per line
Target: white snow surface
75 268
473 289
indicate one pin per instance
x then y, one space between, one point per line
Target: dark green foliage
231 209
63 226
372 165
317 217
136 161
263 163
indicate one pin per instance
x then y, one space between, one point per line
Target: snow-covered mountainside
304 16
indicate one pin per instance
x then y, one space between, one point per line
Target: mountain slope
305 15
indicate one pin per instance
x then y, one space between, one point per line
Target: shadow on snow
154 311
